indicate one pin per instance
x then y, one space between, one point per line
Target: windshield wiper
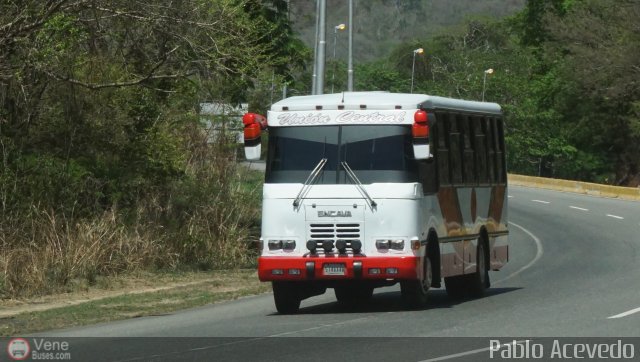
310 179
357 182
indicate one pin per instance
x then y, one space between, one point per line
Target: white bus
369 189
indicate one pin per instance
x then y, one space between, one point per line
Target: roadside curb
587 188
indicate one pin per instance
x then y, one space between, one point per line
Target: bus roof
381 101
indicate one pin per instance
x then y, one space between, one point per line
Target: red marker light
249 118
420 127
420 116
420 130
251 131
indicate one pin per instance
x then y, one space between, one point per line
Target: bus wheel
350 295
414 292
286 297
478 281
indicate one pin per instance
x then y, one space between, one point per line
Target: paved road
574 271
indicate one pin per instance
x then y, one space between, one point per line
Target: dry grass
51 254
203 221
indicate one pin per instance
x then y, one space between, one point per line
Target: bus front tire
414 292
286 297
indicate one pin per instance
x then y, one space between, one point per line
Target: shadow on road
392 302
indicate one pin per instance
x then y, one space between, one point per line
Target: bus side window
455 150
481 150
491 151
468 156
500 155
428 176
442 152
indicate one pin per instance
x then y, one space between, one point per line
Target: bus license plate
335 269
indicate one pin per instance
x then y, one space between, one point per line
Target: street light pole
335 38
413 66
350 66
314 78
322 45
484 80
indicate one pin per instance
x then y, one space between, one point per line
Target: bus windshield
380 153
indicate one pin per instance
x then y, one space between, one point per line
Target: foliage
104 167
565 73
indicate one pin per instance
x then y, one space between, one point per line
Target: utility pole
315 51
350 66
322 45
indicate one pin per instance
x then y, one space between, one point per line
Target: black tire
414 292
351 295
286 297
470 285
478 281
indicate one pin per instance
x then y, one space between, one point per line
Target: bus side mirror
253 126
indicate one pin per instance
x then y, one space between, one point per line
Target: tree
96 95
599 43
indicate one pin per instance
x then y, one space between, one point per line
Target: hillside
379 25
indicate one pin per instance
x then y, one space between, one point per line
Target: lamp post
350 55
484 80
322 45
335 38
314 78
413 66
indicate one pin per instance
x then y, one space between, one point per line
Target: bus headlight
281 244
327 245
382 244
288 244
397 244
356 245
275 244
386 244
312 245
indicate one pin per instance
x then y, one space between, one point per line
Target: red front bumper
300 268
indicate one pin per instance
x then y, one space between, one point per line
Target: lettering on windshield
291 119
376 117
318 118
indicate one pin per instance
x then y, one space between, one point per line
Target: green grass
222 286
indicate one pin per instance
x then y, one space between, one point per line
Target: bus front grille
334 232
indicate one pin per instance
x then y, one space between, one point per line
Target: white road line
541 201
539 253
629 312
616 217
319 327
467 353
511 197
579 208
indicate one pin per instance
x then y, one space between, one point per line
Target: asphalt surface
574 272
